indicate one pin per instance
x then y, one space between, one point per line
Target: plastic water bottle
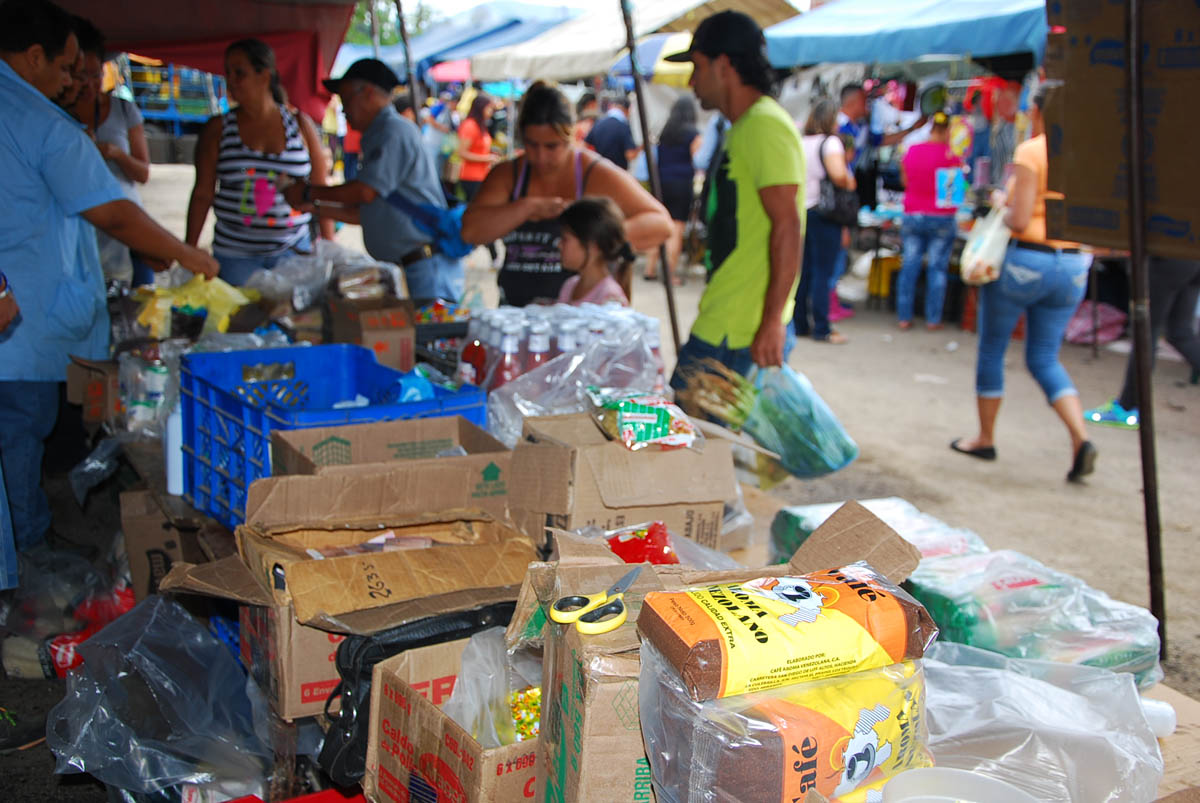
173 451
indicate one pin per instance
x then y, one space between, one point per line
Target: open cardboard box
590 746
406 450
415 752
387 326
567 475
471 560
95 386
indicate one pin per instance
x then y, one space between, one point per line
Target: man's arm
897 136
786 246
125 221
352 194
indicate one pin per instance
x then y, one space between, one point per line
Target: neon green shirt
762 149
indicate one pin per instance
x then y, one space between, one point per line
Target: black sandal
1085 462
982 452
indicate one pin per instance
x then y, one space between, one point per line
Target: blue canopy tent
522 31
875 31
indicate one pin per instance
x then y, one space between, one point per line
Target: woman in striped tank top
240 157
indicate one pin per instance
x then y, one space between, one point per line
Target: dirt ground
904 397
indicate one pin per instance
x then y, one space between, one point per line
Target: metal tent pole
651 162
408 65
1140 309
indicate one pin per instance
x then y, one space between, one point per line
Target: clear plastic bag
983 255
843 737
620 358
158 702
1060 732
100 464
52 586
934 538
1009 603
497 697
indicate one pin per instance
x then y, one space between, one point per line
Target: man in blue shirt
394 160
611 136
854 122
57 187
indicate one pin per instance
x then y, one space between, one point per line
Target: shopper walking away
824 156
929 171
675 155
1044 280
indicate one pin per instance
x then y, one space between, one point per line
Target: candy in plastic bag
497 697
1011 604
639 419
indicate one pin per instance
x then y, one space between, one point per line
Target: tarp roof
305 34
874 31
589 44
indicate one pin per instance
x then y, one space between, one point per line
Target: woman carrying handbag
1044 280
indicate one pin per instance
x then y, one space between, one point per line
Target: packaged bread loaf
843 737
769 632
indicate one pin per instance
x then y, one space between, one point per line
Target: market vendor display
521 200
395 161
56 184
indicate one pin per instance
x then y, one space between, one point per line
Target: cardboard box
472 559
1087 124
415 752
294 665
567 474
387 326
95 385
590 743
154 545
409 448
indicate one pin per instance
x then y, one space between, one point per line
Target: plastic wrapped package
619 358
843 737
497 697
1009 603
933 537
52 586
158 702
1060 732
217 298
735 638
777 407
640 420
652 542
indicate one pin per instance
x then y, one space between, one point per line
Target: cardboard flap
629 479
568 431
228 578
851 534
351 500
719 432
544 474
571 549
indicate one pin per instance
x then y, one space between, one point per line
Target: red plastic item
324 796
643 543
474 354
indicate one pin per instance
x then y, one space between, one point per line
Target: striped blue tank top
253 219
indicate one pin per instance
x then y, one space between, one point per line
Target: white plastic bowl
946 785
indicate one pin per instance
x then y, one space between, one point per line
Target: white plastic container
173 451
945 785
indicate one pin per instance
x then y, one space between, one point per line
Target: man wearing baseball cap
394 160
755 201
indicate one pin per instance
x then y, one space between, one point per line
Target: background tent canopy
304 35
874 31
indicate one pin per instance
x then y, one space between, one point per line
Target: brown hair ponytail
598 221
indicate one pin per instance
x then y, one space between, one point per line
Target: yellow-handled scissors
595 613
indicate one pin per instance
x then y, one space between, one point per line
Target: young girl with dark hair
594 248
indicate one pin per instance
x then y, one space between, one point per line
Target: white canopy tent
590 44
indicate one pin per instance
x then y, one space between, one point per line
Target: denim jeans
930 237
236 269
439 276
28 411
822 242
695 350
1046 288
8 547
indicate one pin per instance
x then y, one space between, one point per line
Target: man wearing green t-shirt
755 224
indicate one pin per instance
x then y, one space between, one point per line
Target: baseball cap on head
373 71
728 32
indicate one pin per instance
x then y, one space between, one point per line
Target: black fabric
675 161
722 223
344 754
677 198
611 138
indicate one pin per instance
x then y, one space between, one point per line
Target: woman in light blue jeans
1044 280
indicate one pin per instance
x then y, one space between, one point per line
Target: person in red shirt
475 146
929 170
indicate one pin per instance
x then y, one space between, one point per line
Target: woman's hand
108 150
540 208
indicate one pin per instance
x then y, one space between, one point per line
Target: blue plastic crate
231 401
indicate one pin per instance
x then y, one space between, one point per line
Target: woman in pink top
594 248
928 225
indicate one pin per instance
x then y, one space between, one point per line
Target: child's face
573 255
